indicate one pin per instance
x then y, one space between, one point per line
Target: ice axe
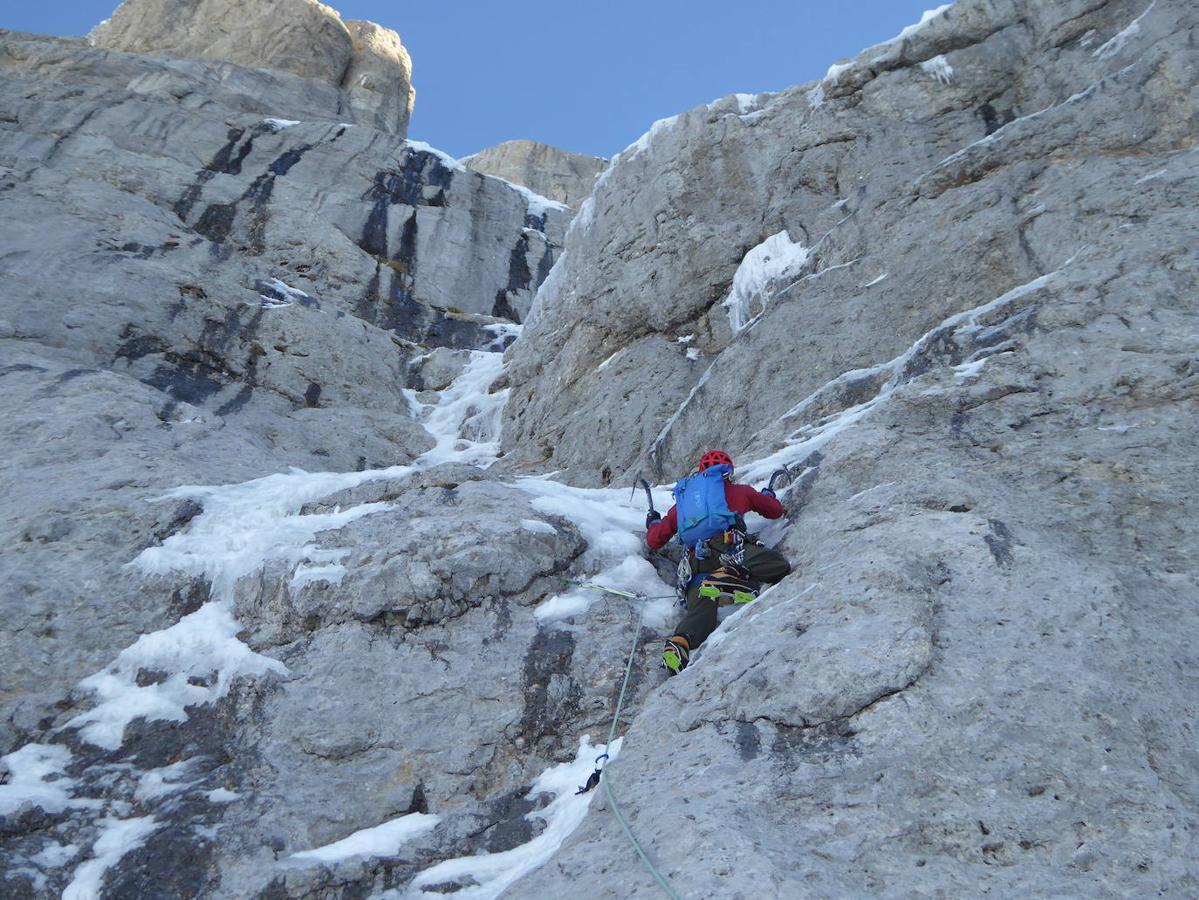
776 475
649 497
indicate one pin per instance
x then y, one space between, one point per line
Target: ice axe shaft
649 496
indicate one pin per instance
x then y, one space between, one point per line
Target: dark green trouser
765 566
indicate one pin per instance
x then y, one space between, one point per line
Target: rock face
207 296
976 343
558 174
276 626
303 37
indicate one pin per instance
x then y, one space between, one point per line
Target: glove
768 492
651 517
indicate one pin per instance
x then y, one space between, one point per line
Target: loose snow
939 68
775 259
382 840
489 874
117 838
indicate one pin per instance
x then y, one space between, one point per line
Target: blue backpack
701 508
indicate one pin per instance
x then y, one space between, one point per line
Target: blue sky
589 77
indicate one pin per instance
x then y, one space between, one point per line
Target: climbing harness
594 778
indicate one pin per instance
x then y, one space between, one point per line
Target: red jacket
741 498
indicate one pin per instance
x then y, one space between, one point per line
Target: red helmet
715 458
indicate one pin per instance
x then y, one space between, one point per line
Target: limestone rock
557 174
302 37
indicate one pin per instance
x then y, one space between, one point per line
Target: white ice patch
36 775
280 124
502 331
382 840
833 75
538 526
448 161
466 420
773 260
291 295
490 874
927 17
306 575
535 204
642 143
1116 43
163 781
200 657
118 837
968 371
939 68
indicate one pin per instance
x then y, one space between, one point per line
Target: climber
723 564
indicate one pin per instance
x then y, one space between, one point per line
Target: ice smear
1152 176
381 840
280 124
490 874
808 438
117 838
875 281
775 259
466 420
35 775
816 96
242 527
1116 43
939 68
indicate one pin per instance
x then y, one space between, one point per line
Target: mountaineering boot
728 584
675 654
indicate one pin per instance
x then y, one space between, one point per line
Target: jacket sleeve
765 505
658 534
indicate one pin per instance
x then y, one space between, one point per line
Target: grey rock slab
550 171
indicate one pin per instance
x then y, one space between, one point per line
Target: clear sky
589 77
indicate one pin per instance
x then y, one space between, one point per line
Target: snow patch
290 295
54 855
927 17
382 840
535 204
641 144
306 575
446 160
489 874
163 781
537 526
939 68
280 124
117 838
221 795
693 353
685 339
776 258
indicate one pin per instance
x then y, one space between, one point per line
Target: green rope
628 671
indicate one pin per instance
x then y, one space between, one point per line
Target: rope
653 870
